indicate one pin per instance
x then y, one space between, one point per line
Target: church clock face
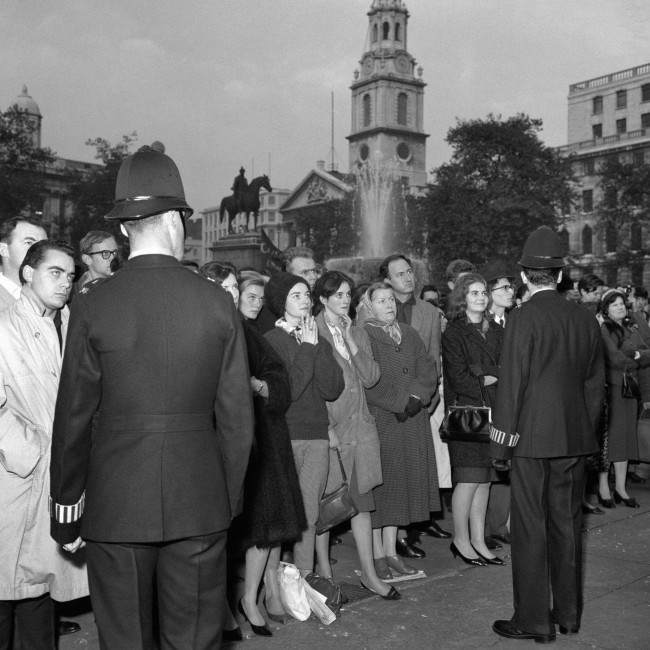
368 65
403 64
403 151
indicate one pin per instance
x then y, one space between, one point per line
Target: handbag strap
343 474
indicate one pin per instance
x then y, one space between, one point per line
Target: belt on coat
155 423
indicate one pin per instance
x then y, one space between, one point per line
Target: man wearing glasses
98 250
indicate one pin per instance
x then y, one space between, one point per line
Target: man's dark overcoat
549 396
153 422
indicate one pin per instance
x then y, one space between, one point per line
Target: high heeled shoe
606 503
497 561
630 502
399 566
260 630
382 569
472 561
392 594
228 636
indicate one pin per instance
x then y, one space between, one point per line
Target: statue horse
250 203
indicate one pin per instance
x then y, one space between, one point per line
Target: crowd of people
171 414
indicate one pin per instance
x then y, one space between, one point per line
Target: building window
611 198
597 130
645 120
271 216
621 126
636 236
587 240
402 106
645 93
588 167
564 239
397 32
271 200
374 33
366 110
597 105
638 157
587 200
621 99
610 238
386 30
611 276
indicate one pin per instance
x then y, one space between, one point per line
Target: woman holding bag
625 353
352 429
471 347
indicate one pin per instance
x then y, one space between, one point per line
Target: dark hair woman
409 492
625 352
352 429
471 347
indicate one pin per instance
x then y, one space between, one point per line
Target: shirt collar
10 286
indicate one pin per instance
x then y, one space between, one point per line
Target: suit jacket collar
152 261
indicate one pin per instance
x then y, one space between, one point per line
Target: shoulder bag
336 507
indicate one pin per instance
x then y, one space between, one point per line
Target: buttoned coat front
154 420
31 562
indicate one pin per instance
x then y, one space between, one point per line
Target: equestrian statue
245 198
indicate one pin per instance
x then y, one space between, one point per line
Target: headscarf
392 329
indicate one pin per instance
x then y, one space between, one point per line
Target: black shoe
588 509
492 544
228 636
635 478
406 549
68 627
630 502
606 503
335 539
433 530
392 594
569 630
497 561
472 561
260 630
504 539
507 629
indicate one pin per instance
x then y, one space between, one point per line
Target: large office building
608 116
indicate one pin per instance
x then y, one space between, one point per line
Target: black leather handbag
630 386
336 507
466 422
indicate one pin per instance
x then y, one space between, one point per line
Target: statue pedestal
241 249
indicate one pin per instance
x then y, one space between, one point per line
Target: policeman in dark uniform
153 427
551 385
239 187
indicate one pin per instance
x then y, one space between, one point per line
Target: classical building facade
608 116
388 100
58 176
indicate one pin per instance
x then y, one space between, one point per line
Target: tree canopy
22 165
501 183
93 192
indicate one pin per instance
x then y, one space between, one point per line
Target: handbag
467 423
337 506
643 436
630 386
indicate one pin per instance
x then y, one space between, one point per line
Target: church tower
26 104
388 98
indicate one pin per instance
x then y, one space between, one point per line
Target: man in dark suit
153 428
548 402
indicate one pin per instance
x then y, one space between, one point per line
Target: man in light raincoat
33 568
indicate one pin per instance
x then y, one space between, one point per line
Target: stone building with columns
608 116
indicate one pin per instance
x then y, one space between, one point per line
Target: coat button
405 371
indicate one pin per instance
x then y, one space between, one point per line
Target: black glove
413 407
402 417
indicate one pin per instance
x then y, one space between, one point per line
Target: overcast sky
223 83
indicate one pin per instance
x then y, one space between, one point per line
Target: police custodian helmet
542 250
148 183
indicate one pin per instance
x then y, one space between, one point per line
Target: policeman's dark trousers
188 579
545 527
32 621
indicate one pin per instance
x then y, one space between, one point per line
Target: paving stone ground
455 605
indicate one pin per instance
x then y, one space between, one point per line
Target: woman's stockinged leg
363 538
477 519
461 503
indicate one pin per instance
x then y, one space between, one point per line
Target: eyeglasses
504 287
106 254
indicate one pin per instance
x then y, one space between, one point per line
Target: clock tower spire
388 98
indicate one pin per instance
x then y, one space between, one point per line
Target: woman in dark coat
398 403
625 350
471 346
